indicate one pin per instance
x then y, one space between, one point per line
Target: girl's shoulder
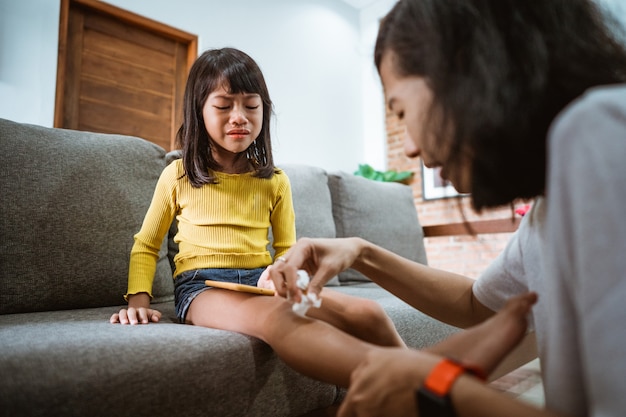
175 166
280 175
173 171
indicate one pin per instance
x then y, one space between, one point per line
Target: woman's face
409 98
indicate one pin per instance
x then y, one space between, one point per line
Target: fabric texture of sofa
72 202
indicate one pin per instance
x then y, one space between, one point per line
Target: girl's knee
370 322
368 314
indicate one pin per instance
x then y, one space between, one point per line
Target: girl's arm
145 253
283 219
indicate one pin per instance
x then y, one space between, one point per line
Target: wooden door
119 72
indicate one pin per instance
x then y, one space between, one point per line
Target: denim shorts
189 284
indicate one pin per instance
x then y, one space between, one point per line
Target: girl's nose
238 116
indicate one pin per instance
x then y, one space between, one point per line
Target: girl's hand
138 311
136 316
321 258
265 281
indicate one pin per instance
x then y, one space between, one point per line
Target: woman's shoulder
602 98
594 107
599 109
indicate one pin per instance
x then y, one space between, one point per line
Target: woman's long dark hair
500 72
239 72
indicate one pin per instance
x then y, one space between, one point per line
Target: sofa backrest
339 204
381 212
72 202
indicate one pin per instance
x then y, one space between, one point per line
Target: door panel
120 72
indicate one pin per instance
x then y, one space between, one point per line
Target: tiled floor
523 383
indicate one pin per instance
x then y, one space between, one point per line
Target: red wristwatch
433 398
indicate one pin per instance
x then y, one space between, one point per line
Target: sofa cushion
312 203
380 212
76 201
79 356
82 365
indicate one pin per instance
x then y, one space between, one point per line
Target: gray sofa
72 202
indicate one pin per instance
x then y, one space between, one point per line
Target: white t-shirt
571 250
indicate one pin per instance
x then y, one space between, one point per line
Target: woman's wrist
434 395
364 251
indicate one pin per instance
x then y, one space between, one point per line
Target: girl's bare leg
312 347
362 318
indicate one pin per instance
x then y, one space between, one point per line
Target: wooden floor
524 383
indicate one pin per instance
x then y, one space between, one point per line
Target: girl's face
409 98
233 121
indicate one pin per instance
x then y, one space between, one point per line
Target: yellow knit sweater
223 225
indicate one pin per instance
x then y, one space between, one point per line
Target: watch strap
433 398
442 376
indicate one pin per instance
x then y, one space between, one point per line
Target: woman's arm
472 399
443 295
386 382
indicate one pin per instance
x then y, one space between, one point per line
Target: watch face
430 404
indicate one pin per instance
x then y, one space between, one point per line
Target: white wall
311 51
316 56
28 58
373 105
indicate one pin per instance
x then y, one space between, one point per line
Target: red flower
522 210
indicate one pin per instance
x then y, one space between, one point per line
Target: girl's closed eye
253 102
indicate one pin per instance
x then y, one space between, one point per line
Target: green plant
368 172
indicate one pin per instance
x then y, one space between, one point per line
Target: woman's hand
384 384
138 311
321 258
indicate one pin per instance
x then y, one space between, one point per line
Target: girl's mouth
238 132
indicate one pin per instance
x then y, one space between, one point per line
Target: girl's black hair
500 72
238 72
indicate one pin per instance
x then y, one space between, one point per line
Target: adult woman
514 100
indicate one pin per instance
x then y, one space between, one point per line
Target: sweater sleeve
145 252
283 217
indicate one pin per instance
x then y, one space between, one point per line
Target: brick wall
466 255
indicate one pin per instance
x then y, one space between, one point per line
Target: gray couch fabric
72 202
73 198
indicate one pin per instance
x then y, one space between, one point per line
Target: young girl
514 100
225 193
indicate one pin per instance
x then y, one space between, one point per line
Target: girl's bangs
239 79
